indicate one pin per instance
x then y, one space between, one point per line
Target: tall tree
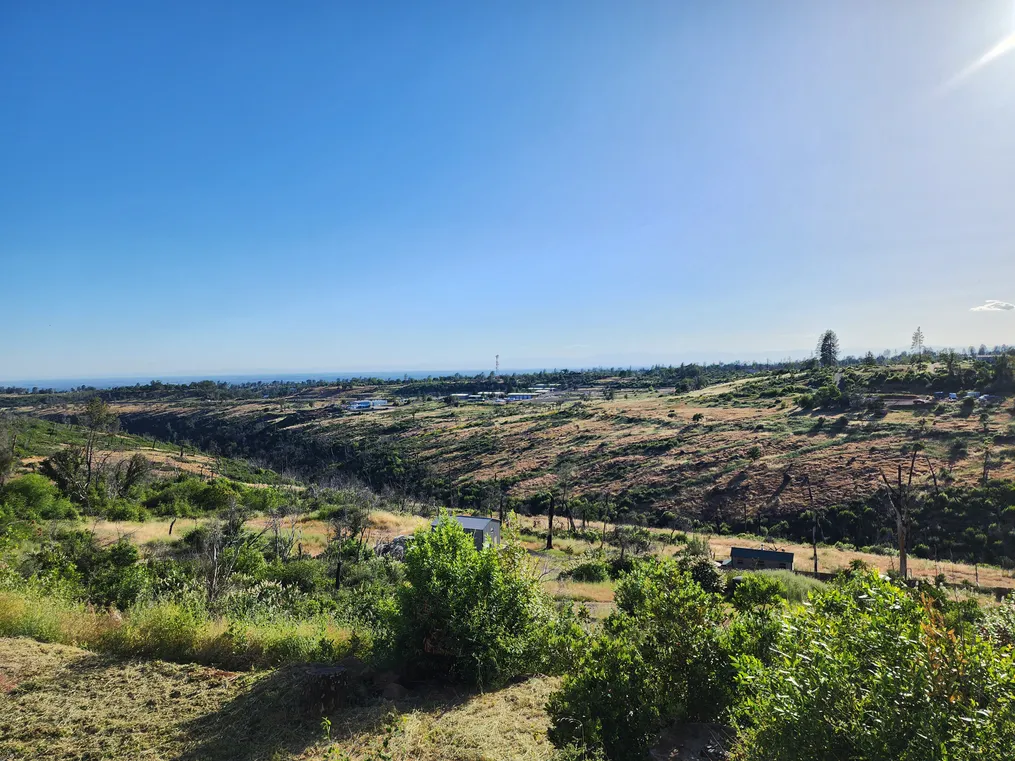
349 520
917 344
828 349
1004 369
902 497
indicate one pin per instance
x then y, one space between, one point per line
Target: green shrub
793 587
306 575
704 572
34 497
124 510
609 704
869 672
476 616
828 396
999 623
660 658
592 571
757 591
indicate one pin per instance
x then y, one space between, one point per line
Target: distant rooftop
771 555
471 522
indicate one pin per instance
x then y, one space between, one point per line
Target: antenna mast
496 365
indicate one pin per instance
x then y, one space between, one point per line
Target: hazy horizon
394 373
415 186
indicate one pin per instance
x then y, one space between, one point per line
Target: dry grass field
385 525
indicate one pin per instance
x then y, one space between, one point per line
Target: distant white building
519 396
368 404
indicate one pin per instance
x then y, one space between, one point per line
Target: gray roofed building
482 529
745 557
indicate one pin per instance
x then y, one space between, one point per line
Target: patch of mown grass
63 703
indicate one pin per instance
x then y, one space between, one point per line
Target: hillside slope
726 452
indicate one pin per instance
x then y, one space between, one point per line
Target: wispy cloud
1003 47
993 305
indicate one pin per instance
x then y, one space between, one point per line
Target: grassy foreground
59 702
169 631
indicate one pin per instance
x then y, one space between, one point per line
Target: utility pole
496 365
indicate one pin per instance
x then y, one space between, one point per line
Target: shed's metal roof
472 523
750 554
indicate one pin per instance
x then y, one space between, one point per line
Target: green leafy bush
476 616
999 622
34 497
591 568
660 658
757 591
868 671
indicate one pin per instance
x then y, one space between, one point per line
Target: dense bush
756 591
868 671
791 586
476 616
589 571
999 622
660 658
34 497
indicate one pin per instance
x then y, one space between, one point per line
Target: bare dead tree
284 524
814 515
565 480
98 419
900 502
222 548
549 527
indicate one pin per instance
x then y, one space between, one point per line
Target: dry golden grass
313 534
580 591
142 532
387 525
830 559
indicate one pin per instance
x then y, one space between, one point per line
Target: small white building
368 404
519 396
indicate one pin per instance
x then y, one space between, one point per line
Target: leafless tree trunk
549 530
814 526
900 502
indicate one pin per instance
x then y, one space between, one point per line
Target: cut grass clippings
63 703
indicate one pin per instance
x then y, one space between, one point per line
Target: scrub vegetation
304 592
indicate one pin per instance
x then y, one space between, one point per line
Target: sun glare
1001 49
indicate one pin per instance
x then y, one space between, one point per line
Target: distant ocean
63 384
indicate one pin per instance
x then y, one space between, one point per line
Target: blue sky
220 188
